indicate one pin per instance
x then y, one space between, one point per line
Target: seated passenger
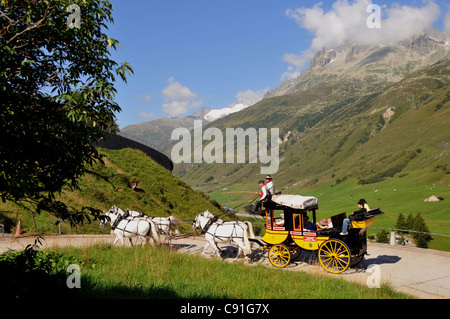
307 225
280 222
325 224
362 204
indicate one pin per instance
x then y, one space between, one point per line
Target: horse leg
131 241
121 240
204 248
241 249
217 250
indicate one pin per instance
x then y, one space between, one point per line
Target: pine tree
409 224
401 222
421 239
383 236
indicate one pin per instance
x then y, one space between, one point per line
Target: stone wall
116 142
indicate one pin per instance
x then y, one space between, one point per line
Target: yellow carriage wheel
334 256
279 255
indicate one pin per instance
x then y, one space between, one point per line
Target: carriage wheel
259 254
356 259
295 252
279 255
334 256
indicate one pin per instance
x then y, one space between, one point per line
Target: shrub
35 274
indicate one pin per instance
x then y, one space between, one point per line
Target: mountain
377 66
358 112
241 104
158 132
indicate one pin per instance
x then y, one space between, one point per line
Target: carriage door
269 219
297 219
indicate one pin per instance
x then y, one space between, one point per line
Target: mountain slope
376 66
159 193
346 134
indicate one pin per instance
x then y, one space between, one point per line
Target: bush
35 274
383 236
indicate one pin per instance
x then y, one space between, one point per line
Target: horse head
105 218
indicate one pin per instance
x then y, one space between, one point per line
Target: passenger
307 224
325 224
362 204
280 222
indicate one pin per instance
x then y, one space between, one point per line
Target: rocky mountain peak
322 58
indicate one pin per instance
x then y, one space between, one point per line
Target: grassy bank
144 272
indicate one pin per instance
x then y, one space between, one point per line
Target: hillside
391 147
159 193
329 138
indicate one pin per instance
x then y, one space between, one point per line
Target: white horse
223 232
164 224
131 227
248 225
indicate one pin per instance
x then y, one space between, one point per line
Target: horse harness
128 219
215 219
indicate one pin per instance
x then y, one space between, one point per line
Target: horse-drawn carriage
286 237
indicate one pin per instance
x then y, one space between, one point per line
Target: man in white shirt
264 192
270 185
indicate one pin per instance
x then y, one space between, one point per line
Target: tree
421 238
383 236
401 223
409 224
57 88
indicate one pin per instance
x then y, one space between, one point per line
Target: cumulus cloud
144 97
250 95
447 24
179 99
149 115
347 21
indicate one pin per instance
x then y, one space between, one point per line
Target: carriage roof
295 201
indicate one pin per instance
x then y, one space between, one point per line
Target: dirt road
422 273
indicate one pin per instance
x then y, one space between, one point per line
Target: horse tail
247 246
250 229
174 222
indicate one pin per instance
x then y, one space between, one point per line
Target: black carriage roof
294 202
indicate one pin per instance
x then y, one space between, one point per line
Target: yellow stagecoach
287 234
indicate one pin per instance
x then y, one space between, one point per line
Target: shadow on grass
91 290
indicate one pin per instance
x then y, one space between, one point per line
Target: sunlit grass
144 272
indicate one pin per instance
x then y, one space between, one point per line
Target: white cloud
144 97
253 96
149 115
447 24
347 21
179 99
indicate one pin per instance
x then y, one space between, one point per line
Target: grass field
144 272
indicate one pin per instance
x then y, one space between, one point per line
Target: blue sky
192 53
